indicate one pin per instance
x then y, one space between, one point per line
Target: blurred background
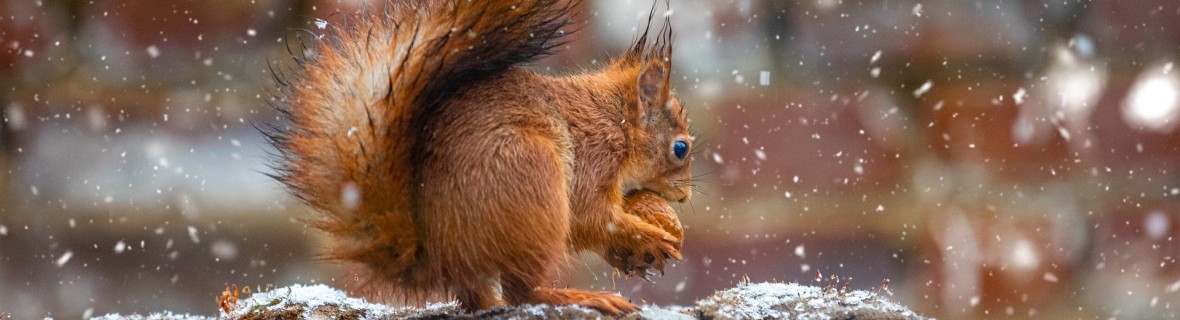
986 159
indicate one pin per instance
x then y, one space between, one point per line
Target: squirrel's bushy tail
357 112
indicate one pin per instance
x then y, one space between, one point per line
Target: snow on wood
745 301
795 301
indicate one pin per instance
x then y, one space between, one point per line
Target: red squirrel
438 163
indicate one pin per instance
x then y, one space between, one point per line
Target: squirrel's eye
680 149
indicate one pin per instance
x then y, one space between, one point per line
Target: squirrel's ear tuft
653 84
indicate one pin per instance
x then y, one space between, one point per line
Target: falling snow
65 257
925 87
153 51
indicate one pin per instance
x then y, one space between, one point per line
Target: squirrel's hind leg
494 204
524 289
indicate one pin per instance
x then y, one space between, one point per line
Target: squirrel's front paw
644 253
651 234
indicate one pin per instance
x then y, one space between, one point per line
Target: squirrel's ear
653 84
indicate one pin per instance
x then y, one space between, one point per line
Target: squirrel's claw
651 272
646 273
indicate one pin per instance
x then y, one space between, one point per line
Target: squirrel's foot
605 302
642 250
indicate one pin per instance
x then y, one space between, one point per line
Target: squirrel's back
358 115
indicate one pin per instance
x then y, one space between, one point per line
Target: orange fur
437 163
